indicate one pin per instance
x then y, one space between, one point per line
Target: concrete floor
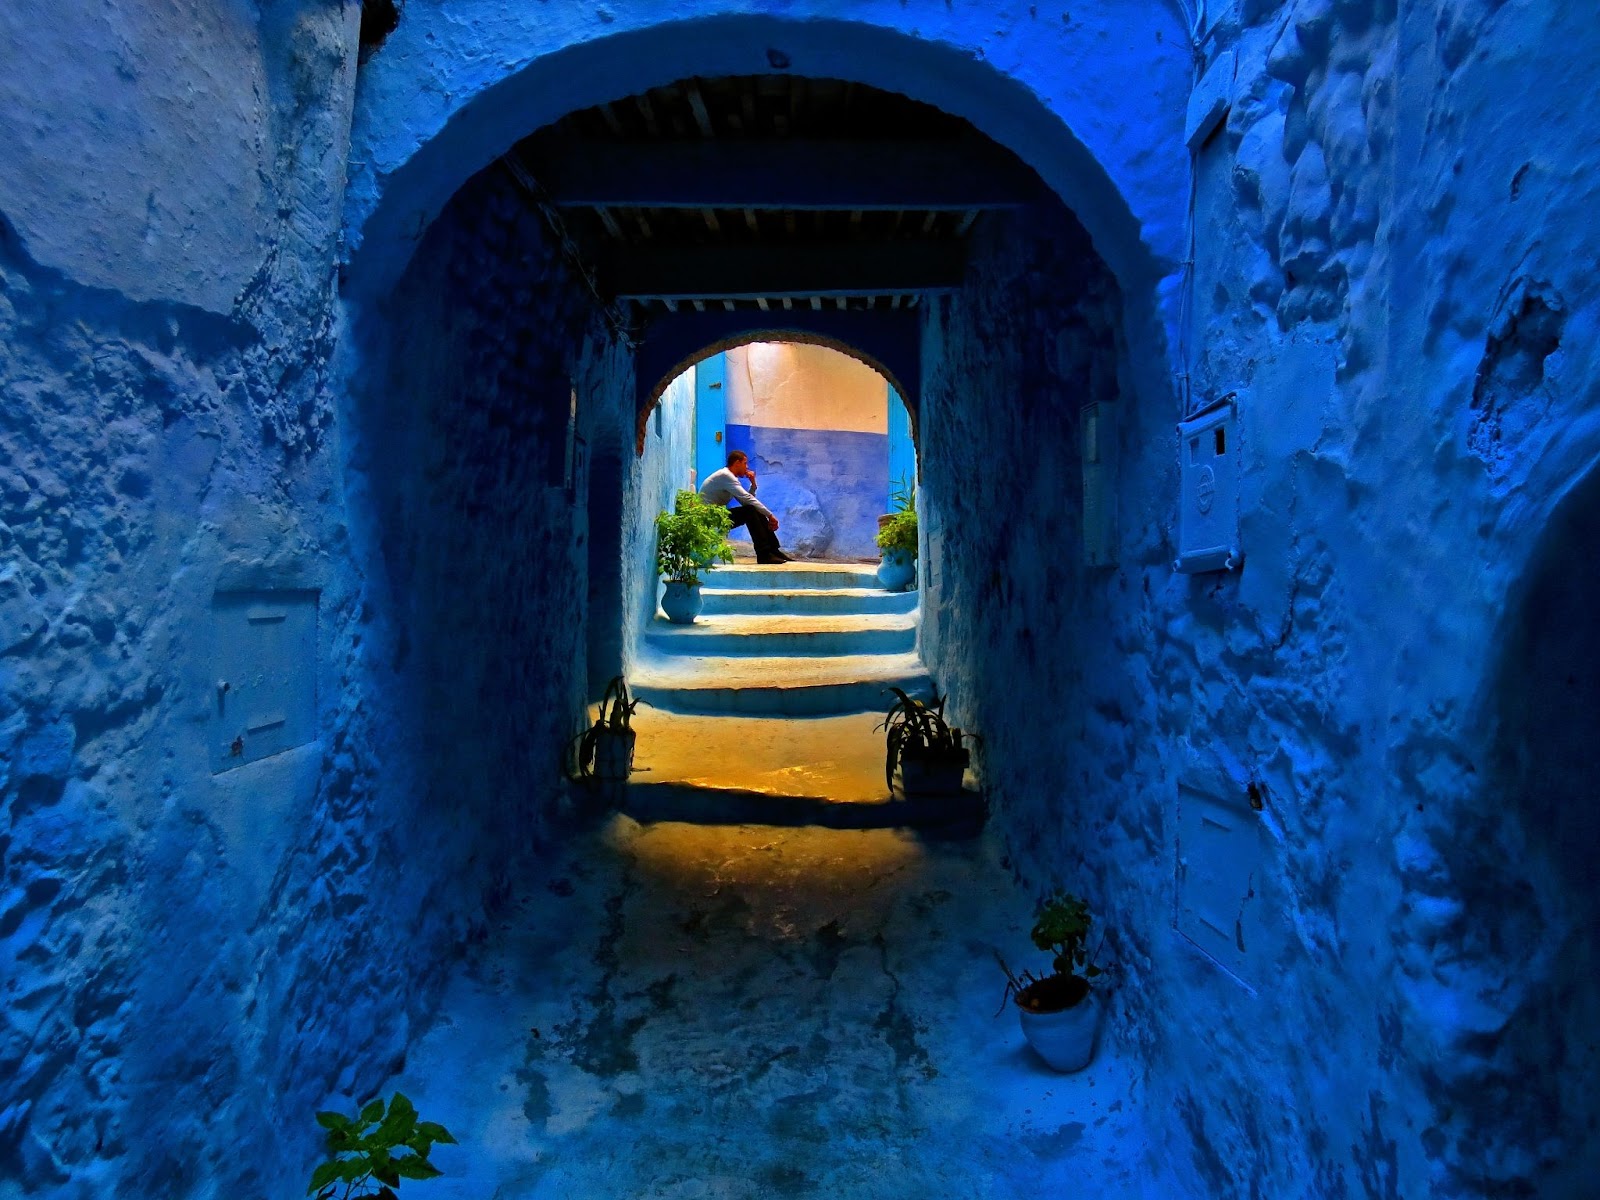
728 1012
699 1011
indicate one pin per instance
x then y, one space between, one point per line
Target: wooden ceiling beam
943 176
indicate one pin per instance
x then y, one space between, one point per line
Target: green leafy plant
370 1154
899 533
615 717
693 537
1062 931
918 727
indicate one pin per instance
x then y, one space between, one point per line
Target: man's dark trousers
761 535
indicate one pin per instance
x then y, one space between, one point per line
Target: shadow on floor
750 1011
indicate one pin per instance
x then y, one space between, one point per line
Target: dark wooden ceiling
769 191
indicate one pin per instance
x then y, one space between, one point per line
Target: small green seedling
1062 931
377 1149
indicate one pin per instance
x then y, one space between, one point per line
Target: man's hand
773 521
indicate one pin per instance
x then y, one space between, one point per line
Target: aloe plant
615 716
918 726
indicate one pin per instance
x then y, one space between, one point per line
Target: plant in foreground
1062 931
692 537
370 1154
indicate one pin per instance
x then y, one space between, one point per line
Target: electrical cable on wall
1199 33
619 325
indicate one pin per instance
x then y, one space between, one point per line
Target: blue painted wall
659 473
827 486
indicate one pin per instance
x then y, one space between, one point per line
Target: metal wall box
1208 510
1097 426
264 653
1219 857
1210 100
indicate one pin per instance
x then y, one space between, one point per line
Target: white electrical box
1208 509
1098 433
1210 101
1219 863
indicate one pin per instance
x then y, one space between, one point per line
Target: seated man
723 486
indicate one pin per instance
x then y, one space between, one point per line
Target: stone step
777 687
838 601
787 635
959 815
790 576
826 771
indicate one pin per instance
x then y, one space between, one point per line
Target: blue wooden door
710 416
902 453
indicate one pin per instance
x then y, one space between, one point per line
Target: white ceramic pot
1064 1039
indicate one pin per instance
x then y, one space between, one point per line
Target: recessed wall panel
264 658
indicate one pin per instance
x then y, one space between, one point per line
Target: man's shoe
782 558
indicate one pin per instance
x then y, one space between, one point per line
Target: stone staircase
764 710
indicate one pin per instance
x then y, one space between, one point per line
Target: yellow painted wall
787 385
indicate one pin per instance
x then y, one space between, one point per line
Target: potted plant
897 538
693 537
605 749
1059 1013
930 753
370 1154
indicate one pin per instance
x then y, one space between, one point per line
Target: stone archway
446 96
890 349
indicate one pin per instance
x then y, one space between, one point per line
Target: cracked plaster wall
191 963
181 979
651 482
1394 238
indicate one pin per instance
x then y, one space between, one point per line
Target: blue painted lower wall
826 486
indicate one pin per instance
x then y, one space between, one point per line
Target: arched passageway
509 377
853 186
